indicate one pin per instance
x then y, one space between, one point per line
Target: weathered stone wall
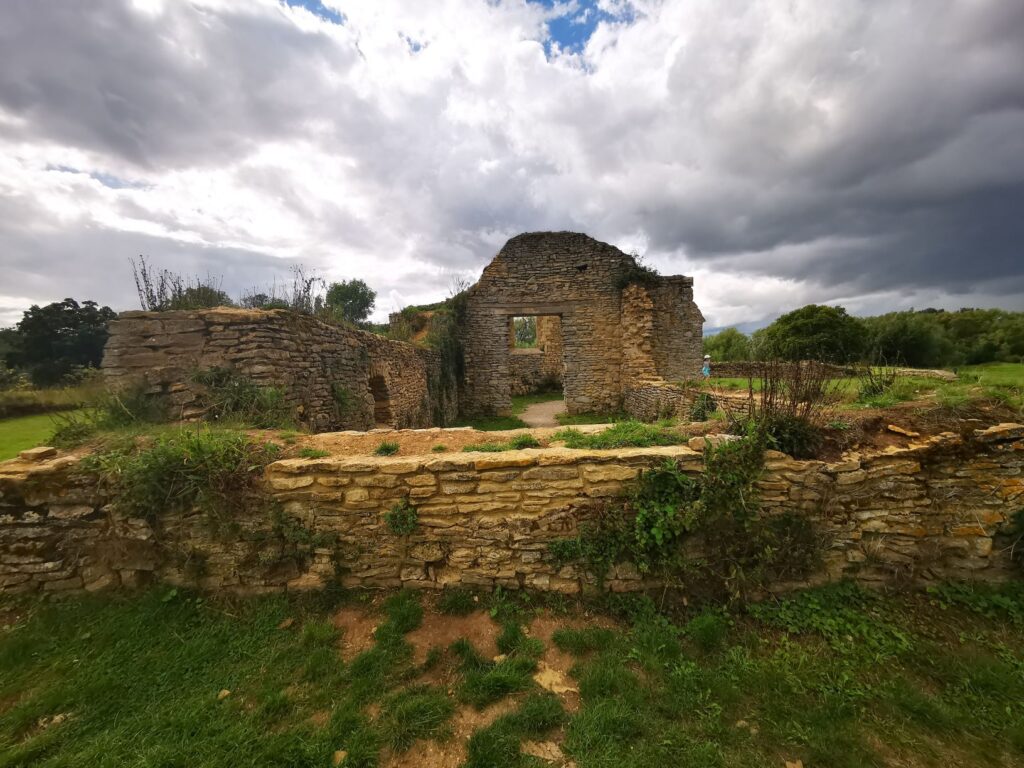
580 280
533 369
653 400
325 371
933 510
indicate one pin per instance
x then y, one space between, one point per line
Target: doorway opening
381 401
536 368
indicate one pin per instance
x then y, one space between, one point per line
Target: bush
402 519
703 406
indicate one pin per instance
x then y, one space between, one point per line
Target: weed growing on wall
625 434
214 471
402 519
231 396
665 508
516 443
386 448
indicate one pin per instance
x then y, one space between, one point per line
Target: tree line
927 338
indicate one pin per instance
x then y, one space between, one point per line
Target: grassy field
835 678
23 432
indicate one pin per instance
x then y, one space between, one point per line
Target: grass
577 419
386 448
25 402
516 443
621 435
23 432
512 421
834 677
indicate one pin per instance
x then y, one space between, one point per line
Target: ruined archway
381 401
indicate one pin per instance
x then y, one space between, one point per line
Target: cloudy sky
866 153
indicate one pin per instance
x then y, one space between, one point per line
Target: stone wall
538 368
580 280
933 510
324 371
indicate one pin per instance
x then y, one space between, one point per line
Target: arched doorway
381 401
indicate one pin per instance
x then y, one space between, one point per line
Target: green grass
834 677
386 448
23 432
512 421
624 434
521 402
25 402
515 443
994 374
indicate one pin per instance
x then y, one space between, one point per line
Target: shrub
402 519
664 502
703 406
228 395
386 448
708 629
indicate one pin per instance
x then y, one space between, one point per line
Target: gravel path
543 414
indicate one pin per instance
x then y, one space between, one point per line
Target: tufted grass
834 677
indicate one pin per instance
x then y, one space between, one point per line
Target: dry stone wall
324 371
938 509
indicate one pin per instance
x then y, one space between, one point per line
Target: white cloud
780 153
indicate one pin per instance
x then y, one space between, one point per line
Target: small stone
286 623
544 750
224 693
339 757
901 431
42 453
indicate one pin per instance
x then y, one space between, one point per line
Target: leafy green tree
351 300
728 345
54 340
814 332
906 338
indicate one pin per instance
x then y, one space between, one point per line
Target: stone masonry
608 337
332 377
937 509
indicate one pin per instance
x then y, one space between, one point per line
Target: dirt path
543 414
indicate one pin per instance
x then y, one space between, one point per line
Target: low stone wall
653 400
933 510
332 377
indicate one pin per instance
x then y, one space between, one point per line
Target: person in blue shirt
706 370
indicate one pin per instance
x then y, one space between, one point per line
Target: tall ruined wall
547 273
678 329
933 510
323 370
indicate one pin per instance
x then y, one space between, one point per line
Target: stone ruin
603 324
607 333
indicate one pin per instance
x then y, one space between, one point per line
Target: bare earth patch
439 630
357 625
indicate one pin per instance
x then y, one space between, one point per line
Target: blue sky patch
573 29
318 8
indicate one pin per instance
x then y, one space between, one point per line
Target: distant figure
706 370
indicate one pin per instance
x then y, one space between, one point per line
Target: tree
351 300
814 332
54 340
728 345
